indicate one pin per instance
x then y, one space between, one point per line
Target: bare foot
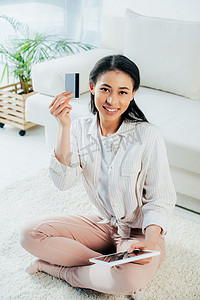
33 267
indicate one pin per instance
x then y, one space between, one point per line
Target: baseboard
189 203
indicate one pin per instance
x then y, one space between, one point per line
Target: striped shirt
139 183
109 146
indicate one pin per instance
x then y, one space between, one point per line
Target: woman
123 162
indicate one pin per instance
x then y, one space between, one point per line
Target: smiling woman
112 98
114 81
123 163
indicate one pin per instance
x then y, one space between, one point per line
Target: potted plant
18 55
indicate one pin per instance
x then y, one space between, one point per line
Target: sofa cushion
49 76
166 51
178 120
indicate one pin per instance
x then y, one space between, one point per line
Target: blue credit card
72 83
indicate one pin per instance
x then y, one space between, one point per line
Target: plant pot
12 107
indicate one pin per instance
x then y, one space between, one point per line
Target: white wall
175 9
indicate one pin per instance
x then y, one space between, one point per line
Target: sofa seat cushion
178 120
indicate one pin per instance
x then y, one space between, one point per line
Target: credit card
72 83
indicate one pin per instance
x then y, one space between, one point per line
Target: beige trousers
70 241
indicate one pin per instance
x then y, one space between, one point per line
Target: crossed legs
64 245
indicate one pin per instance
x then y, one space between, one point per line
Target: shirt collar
122 131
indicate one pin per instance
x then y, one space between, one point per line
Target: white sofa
167 54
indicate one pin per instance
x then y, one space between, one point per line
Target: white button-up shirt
140 187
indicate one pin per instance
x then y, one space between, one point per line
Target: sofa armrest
49 77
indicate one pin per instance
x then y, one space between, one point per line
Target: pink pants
70 241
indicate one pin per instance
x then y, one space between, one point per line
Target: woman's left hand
143 245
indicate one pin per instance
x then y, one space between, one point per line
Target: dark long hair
124 64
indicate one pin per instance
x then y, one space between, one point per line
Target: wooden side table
12 107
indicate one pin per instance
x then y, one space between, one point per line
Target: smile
110 111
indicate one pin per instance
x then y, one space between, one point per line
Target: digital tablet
123 257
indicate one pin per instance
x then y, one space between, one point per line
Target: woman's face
112 95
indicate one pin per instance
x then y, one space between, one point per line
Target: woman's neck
108 128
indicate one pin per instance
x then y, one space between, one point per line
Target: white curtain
82 20
76 19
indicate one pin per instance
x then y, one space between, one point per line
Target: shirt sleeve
65 177
159 195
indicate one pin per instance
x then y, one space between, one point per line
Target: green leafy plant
21 52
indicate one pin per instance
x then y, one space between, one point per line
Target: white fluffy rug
177 278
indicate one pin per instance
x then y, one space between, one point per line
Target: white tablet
123 257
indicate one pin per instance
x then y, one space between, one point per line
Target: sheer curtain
82 20
75 19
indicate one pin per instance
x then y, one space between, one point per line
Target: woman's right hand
60 108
